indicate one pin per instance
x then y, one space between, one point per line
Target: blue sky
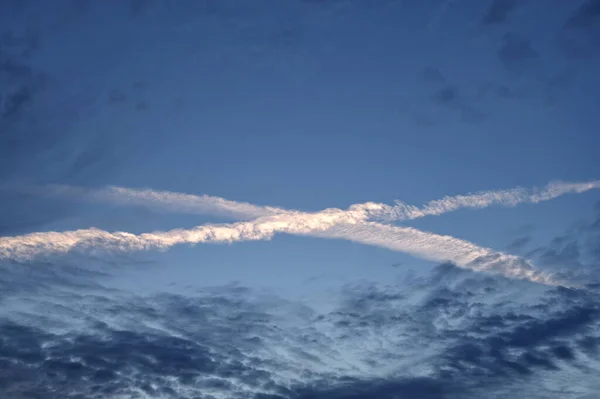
304 105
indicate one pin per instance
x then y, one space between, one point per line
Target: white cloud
333 223
205 204
355 224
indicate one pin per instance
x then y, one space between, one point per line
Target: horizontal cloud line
205 204
155 199
350 224
442 248
483 199
354 224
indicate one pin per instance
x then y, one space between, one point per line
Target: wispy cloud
156 199
483 199
292 222
355 224
331 223
205 204
446 334
441 248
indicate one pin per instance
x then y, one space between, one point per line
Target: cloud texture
350 224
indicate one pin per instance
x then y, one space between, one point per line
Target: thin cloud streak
483 199
205 204
439 248
154 199
330 223
352 224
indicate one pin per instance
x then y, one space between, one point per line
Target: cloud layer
351 224
205 204
451 334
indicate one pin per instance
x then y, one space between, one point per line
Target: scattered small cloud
498 12
518 244
516 53
138 7
421 120
14 102
452 333
139 85
575 254
447 95
116 97
141 106
507 92
579 37
433 75
452 98
587 15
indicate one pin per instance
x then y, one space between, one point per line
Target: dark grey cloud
516 53
106 360
581 33
451 97
518 244
498 12
558 85
408 388
447 95
576 254
65 335
19 84
477 335
141 106
38 139
137 7
116 97
109 362
23 138
24 43
433 75
459 101
586 15
503 91
490 345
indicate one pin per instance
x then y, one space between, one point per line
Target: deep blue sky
305 105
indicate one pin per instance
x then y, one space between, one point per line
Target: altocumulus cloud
452 334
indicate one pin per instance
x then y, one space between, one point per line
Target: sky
275 199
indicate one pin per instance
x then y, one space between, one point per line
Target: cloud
586 15
516 53
579 36
438 248
453 333
160 200
504 342
575 254
433 75
450 97
204 204
37 114
498 12
439 13
103 359
446 96
349 224
483 199
116 97
401 388
518 243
